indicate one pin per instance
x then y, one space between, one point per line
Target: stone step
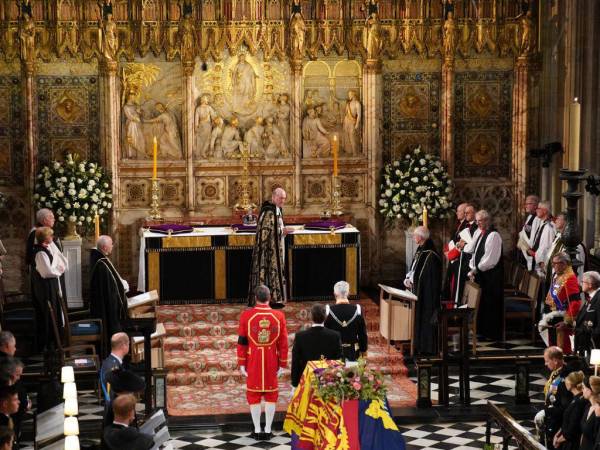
182 377
209 361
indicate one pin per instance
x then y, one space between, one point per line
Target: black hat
121 380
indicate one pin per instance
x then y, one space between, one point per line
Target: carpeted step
211 360
200 356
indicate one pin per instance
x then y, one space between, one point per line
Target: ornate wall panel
11 130
352 188
316 189
497 200
68 117
411 113
210 191
234 189
483 113
271 182
136 192
172 191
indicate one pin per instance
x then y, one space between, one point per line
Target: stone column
373 116
296 128
519 131
30 160
110 114
447 115
187 125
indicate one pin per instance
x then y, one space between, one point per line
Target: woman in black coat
589 421
569 435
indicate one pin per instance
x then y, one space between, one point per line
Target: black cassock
39 303
427 280
108 300
491 307
267 257
46 290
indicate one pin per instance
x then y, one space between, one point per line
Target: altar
212 264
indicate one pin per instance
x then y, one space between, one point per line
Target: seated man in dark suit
8 344
119 435
315 343
119 348
9 404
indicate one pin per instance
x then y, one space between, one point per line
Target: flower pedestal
72 251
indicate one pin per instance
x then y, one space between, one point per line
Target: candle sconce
547 152
592 184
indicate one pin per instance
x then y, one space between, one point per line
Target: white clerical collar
121 423
318 325
118 359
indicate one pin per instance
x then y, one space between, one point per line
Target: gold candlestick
154 203
244 203
336 207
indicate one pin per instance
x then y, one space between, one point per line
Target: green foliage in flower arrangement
339 383
74 190
416 181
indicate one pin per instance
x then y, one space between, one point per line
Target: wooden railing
510 428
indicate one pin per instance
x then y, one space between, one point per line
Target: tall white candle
574 133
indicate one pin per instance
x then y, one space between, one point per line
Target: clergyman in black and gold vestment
424 279
268 267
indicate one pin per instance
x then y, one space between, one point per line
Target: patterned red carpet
200 354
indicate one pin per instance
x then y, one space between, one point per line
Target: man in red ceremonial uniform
262 355
563 302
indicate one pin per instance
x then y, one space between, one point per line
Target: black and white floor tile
449 436
498 389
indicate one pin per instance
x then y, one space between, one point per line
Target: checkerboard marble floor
499 389
447 436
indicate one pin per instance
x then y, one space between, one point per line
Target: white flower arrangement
417 181
75 191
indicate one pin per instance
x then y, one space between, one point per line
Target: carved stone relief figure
314 136
373 42
283 118
27 38
110 40
449 35
243 82
216 136
254 137
275 145
297 31
186 38
231 141
526 39
269 107
204 117
168 133
352 125
133 139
